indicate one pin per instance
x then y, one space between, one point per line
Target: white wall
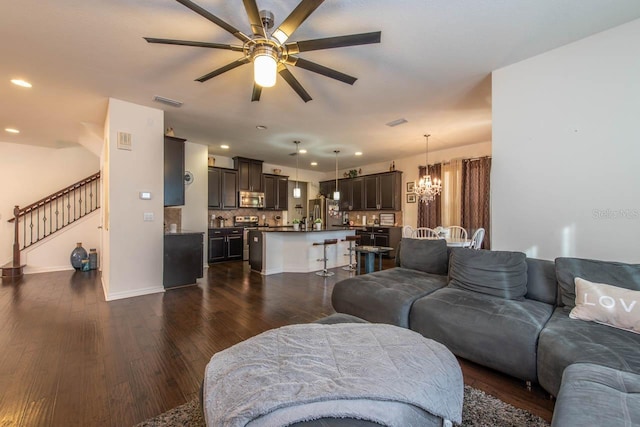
196 196
566 150
29 173
134 248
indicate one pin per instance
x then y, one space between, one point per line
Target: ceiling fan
270 52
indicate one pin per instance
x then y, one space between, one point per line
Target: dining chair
457 232
424 233
477 238
407 231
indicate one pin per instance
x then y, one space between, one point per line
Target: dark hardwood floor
68 358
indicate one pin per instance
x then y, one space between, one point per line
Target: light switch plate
148 216
145 195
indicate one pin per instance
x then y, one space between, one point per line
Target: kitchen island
275 250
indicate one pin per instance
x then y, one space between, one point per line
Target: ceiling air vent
397 122
167 101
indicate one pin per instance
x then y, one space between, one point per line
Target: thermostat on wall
145 195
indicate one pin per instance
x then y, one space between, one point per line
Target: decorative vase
77 255
93 259
318 225
296 227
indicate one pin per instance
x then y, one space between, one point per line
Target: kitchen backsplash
355 216
173 216
270 216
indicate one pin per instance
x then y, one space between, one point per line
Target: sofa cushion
614 273
427 255
541 281
606 304
384 296
497 273
592 392
564 341
494 332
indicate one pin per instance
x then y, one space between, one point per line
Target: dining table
453 242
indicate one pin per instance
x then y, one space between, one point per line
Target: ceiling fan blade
254 18
320 69
211 17
333 42
195 44
295 19
257 91
293 82
224 69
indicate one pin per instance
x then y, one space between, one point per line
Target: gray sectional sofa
508 312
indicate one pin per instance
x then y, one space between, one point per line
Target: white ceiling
432 68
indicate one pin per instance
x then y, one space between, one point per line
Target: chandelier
427 189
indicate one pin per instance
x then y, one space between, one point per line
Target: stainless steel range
248 222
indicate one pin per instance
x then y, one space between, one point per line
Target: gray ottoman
331 375
593 395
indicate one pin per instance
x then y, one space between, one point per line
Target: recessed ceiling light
12 130
261 127
314 163
224 146
358 153
302 151
19 82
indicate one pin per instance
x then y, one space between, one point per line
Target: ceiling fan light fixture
265 66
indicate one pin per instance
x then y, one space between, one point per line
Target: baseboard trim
133 293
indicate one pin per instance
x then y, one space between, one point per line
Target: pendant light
296 191
336 193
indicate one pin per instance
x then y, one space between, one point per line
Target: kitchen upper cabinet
391 191
223 188
173 171
351 194
372 192
249 174
276 189
327 188
382 191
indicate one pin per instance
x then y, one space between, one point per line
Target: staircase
49 215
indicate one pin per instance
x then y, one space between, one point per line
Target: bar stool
325 272
352 240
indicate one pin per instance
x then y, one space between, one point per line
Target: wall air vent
167 101
397 122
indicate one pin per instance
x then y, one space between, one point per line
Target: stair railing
53 213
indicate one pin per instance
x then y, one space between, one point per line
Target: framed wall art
410 186
411 198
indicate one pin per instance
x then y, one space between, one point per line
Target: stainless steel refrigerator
326 209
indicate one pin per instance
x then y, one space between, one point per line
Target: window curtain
475 197
452 193
430 215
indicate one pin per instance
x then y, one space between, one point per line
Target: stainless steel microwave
251 199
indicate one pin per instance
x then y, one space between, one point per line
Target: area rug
479 410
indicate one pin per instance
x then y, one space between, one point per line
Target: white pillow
606 304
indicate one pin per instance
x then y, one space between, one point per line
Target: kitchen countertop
289 229
181 233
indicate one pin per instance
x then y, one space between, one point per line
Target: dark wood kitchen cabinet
182 259
383 191
223 188
249 174
173 171
351 194
327 188
225 244
276 189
